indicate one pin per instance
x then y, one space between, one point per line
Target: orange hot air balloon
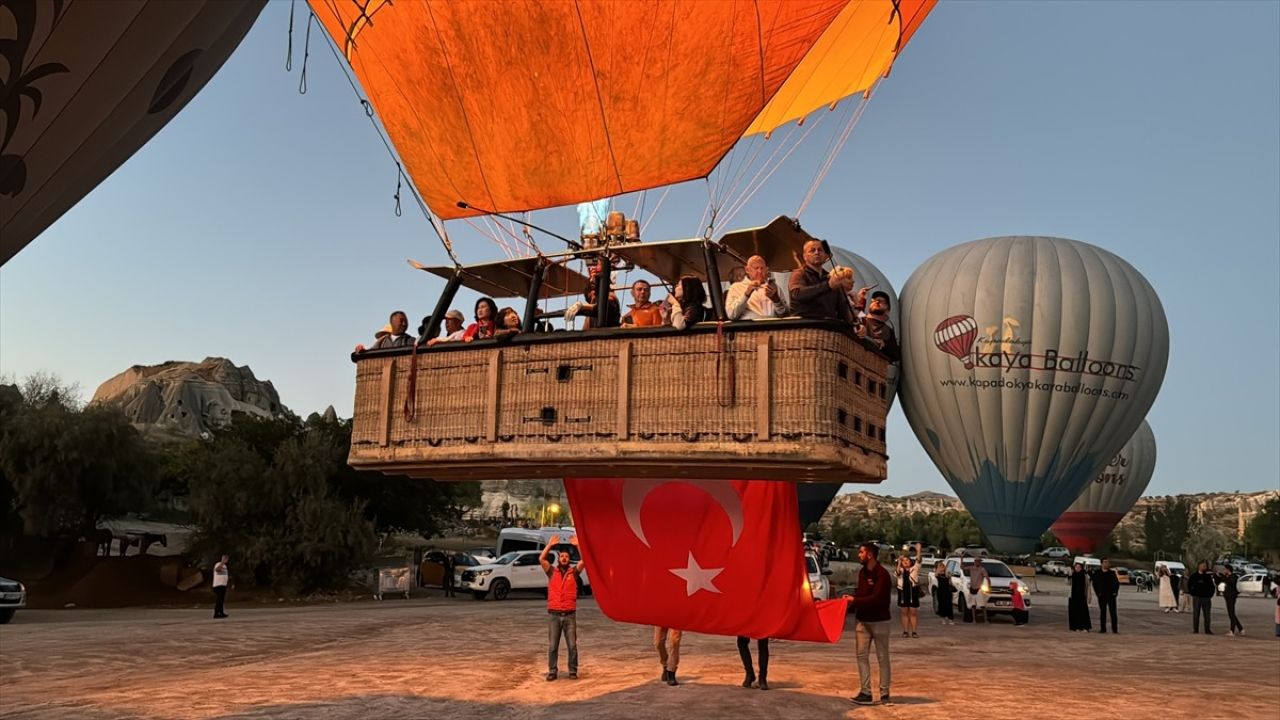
516 106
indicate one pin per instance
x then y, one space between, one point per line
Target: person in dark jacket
1106 586
397 334
816 294
870 603
1201 588
446 582
1230 591
1078 603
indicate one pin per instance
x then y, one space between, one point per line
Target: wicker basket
789 400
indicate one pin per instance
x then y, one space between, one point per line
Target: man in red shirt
562 606
870 605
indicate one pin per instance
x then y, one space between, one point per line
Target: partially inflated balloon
84 84
1028 362
1111 494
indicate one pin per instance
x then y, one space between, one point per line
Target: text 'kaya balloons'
1111 494
1027 363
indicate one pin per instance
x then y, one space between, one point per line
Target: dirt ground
448 659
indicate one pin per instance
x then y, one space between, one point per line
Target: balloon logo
955 336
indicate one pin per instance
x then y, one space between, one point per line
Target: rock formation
186 399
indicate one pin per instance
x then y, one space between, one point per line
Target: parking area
455 659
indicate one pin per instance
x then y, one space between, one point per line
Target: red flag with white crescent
722 557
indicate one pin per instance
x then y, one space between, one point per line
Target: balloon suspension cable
835 150
306 53
770 166
438 228
571 243
288 57
645 225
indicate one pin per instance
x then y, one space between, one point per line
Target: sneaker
884 699
763 684
915 635
573 676
551 676
862 699
748 681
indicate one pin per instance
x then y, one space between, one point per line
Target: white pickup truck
999 599
519 570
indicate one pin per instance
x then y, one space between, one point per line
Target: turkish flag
722 557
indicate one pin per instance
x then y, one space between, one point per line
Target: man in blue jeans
562 606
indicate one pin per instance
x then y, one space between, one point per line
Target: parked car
13 595
431 570
819 586
1251 583
1056 552
1057 568
1174 567
518 570
1255 569
1122 575
999 598
1089 562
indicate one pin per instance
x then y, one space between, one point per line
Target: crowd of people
816 293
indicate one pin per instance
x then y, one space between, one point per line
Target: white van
1090 563
1174 567
516 539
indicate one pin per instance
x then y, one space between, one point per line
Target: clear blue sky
258 225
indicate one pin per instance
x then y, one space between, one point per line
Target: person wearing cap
395 334
817 294
453 331
875 326
755 296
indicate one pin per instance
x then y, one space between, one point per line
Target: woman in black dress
1078 605
909 593
943 594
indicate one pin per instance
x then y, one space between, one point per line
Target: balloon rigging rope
767 170
835 151
437 227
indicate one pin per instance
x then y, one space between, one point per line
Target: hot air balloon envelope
1027 363
1111 494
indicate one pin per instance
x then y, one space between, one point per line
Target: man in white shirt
453 331
756 296
220 579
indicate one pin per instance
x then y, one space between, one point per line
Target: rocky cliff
1229 512
187 399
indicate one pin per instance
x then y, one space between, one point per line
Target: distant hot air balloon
1027 363
1111 494
84 84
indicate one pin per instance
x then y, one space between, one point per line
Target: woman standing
909 593
1078 604
943 594
1230 592
1168 602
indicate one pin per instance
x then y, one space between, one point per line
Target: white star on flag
697 578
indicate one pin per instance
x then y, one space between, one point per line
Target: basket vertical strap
388 378
763 390
624 391
491 407
411 392
731 362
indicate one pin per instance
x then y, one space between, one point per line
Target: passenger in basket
756 296
817 294
644 313
453 331
508 322
613 316
396 333
486 323
875 326
562 606
688 306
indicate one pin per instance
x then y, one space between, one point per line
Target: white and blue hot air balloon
1027 363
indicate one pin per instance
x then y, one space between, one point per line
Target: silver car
13 595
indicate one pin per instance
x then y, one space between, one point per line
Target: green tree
1263 531
70 468
1168 525
1204 542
